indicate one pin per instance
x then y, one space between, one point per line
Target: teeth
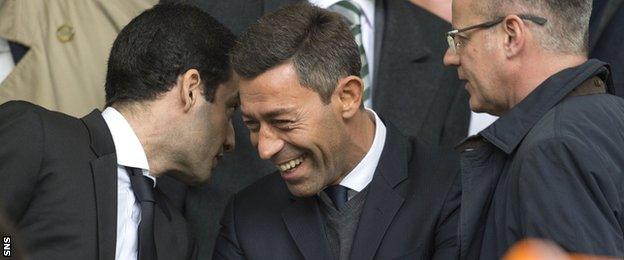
290 164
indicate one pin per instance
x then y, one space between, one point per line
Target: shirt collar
368 8
363 172
128 148
507 132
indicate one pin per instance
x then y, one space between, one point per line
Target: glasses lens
451 42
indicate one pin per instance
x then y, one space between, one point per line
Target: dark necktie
143 188
338 195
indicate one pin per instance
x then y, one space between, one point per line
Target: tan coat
69 42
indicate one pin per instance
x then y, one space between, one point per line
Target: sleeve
227 246
566 193
21 139
446 241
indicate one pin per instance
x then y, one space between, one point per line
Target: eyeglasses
454 45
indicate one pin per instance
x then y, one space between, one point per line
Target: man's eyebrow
277 112
270 114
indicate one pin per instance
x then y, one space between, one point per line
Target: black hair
161 44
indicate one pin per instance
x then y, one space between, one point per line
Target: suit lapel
382 201
304 222
104 170
171 234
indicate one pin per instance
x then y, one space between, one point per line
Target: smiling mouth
291 164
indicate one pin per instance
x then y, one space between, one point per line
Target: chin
475 106
298 191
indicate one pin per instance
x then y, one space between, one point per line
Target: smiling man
552 166
92 188
349 185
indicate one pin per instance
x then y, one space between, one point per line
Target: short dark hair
161 44
317 42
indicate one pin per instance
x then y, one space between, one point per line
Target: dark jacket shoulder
583 118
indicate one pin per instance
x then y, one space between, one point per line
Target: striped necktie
351 11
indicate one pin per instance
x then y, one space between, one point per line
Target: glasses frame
450 35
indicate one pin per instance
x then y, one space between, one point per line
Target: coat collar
509 130
304 222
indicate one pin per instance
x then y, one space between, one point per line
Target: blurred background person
606 38
60 49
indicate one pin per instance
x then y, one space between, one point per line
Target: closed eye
282 124
252 125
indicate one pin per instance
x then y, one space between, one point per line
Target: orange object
538 249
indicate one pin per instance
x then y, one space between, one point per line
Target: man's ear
350 91
190 88
515 35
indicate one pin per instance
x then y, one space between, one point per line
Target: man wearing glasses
552 166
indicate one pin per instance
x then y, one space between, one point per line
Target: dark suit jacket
606 38
410 212
412 89
58 184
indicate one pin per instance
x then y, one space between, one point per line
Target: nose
230 139
451 58
268 143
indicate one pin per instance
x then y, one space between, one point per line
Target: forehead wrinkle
266 111
278 111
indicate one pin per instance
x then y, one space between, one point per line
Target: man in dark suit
411 88
84 188
606 38
349 185
411 85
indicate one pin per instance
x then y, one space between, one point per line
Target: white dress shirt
479 121
6 60
363 173
367 21
129 153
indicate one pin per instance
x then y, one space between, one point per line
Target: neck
531 73
147 128
361 133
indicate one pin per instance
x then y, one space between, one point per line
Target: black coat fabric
58 184
410 212
552 167
412 89
606 38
